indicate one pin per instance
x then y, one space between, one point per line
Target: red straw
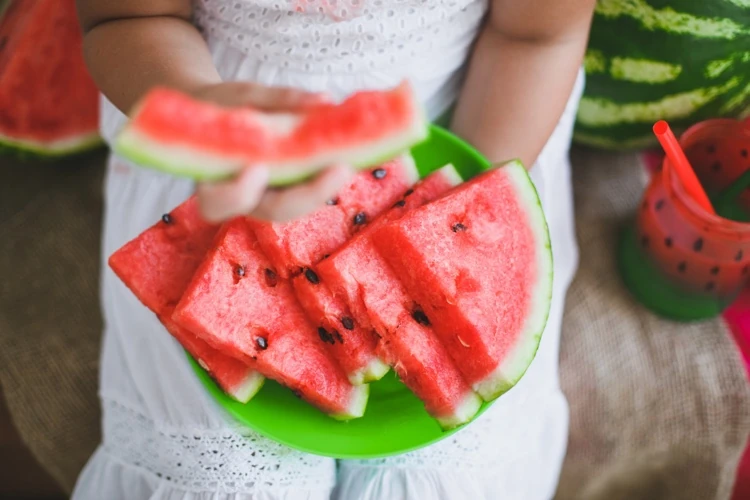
681 165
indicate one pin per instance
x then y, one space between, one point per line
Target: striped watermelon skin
679 60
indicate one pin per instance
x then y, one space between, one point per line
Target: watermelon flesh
359 275
237 303
302 243
479 261
50 104
172 132
157 267
352 346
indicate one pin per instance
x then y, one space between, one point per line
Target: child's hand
248 193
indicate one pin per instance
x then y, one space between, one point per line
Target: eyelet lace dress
163 437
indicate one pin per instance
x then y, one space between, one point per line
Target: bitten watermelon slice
49 103
357 273
157 267
479 261
238 303
302 243
175 133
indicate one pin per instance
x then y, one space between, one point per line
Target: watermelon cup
678 259
395 421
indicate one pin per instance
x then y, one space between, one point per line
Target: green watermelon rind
33 150
198 165
358 405
513 368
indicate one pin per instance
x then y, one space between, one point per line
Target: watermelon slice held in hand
479 262
157 267
49 105
237 303
172 132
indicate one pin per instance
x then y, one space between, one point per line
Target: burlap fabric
659 411
50 325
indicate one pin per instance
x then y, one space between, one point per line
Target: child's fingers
294 202
239 196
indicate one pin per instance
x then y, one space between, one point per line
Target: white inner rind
246 390
513 367
451 174
464 412
184 160
357 405
374 370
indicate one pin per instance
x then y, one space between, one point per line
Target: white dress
164 438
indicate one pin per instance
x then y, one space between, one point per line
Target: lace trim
226 460
346 36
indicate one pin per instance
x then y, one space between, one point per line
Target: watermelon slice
157 267
175 133
358 274
301 243
352 346
49 103
238 304
479 261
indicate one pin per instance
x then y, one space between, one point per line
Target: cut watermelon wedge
157 267
172 132
49 103
359 275
479 261
238 304
302 243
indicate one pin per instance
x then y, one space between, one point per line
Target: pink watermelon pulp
358 275
50 104
175 133
238 304
302 243
157 267
479 261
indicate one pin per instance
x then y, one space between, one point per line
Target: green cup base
649 286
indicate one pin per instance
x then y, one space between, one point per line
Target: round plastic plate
395 421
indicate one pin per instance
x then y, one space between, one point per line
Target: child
512 70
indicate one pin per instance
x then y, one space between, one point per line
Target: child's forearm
130 54
518 85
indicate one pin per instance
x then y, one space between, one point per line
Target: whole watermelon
679 60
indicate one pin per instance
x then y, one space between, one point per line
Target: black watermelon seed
325 336
333 201
379 173
711 149
326 256
739 256
262 343
659 205
644 242
710 286
458 227
297 394
271 278
408 192
743 153
716 166
347 322
698 245
240 271
715 270
311 276
682 267
399 203
420 317
338 336
167 219
360 218
668 242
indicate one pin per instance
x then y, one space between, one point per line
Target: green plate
395 421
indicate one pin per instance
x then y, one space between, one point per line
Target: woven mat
50 325
657 408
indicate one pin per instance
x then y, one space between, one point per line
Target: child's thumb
239 196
